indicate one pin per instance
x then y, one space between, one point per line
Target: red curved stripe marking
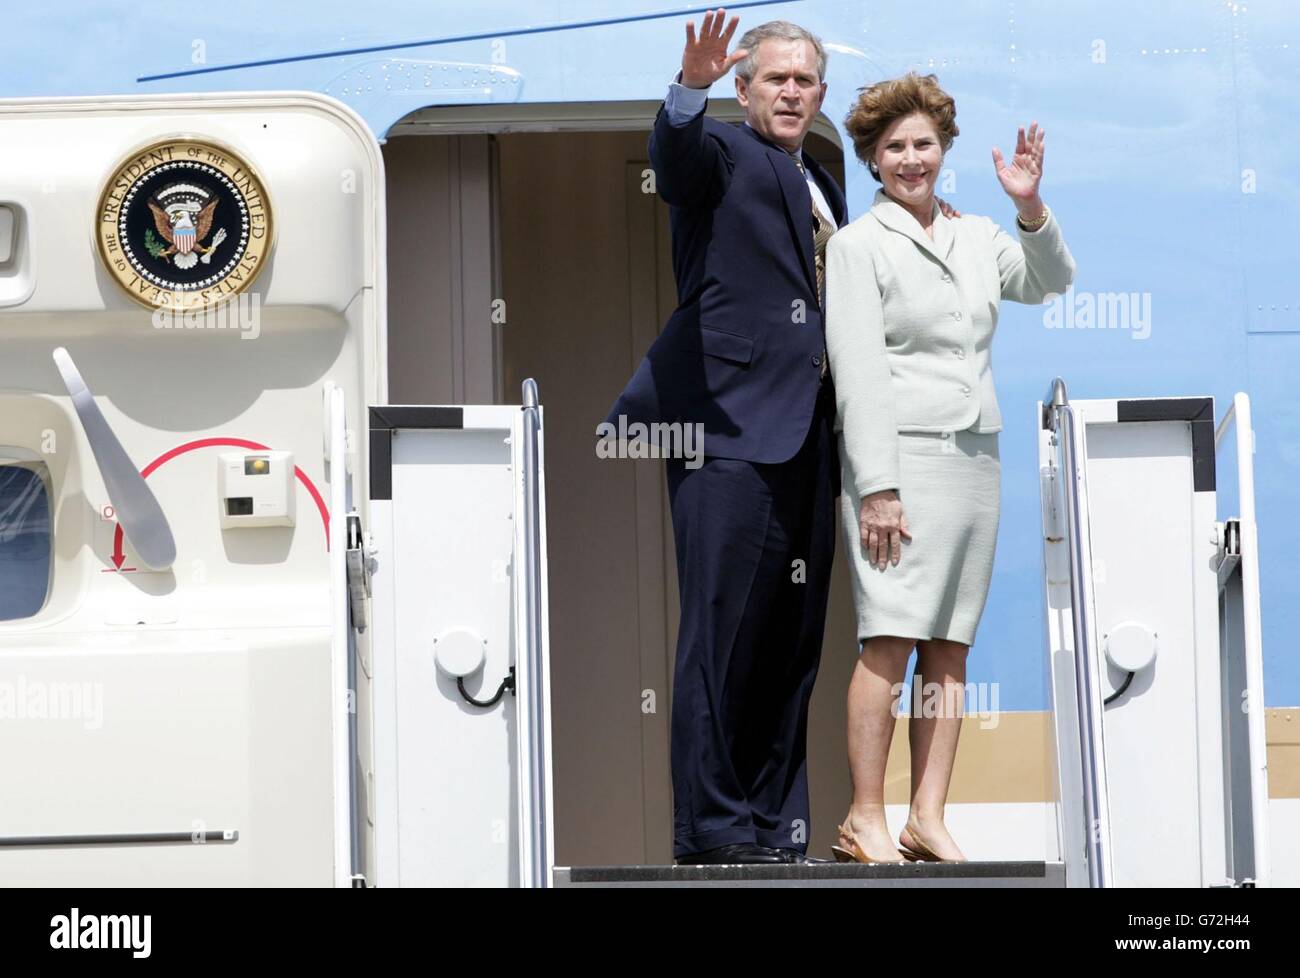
190 446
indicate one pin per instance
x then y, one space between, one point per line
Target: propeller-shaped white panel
137 509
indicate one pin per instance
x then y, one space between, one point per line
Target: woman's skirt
949 485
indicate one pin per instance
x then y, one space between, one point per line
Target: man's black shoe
795 856
742 852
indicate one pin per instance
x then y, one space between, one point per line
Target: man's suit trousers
754 549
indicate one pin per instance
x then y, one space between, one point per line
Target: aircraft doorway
516 254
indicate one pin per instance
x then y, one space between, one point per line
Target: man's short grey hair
777 30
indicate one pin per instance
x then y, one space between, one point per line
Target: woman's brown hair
880 105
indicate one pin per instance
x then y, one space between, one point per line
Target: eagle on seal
183 231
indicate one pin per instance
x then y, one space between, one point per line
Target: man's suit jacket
741 354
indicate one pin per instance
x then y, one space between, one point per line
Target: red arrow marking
119 556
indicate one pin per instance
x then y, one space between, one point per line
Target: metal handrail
1252 627
342 718
192 837
1059 417
538 803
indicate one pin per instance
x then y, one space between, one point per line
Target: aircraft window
25 542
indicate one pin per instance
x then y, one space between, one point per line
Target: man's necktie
823 228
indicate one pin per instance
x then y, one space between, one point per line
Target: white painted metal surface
463 791
1152 554
1148 531
217 675
341 695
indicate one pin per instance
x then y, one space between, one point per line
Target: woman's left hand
1020 177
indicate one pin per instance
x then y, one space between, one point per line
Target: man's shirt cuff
684 104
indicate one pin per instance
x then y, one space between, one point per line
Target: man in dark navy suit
743 357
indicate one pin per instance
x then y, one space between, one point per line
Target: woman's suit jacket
910 322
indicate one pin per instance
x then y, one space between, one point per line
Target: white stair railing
1241 557
1060 418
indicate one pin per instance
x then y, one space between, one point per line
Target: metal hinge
358 572
1232 537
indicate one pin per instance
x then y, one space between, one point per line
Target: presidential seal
183 224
